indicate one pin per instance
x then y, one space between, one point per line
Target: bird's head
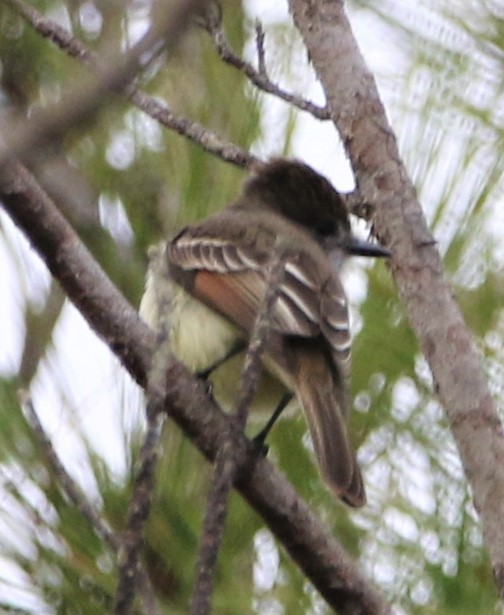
302 195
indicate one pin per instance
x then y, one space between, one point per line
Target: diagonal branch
415 264
195 132
130 571
84 99
144 485
213 25
311 546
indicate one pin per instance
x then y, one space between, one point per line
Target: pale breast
199 336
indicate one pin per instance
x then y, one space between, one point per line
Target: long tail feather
322 403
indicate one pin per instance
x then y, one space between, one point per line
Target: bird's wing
231 278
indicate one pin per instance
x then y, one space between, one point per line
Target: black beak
358 247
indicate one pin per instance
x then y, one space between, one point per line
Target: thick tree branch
310 545
195 132
415 264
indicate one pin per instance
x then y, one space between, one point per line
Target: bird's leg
236 349
262 435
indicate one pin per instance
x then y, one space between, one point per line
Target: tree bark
415 264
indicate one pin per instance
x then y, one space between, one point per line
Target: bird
217 272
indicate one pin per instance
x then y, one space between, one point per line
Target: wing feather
232 280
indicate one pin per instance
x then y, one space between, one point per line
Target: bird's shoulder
241 238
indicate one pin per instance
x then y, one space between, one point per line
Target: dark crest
301 194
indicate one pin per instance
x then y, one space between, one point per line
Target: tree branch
415 264
84 99
311 546
195 132
213 25
130 572
144 486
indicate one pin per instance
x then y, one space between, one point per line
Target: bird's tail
324 401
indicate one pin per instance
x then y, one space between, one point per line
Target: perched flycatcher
217 272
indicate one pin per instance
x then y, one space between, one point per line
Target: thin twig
227 462
69 486
261 56
259 77
138 512
195 132
258 339
80 501
39 330
143 488
208 140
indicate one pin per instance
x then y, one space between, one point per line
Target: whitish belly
199 338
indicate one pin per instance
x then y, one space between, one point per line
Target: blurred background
125 183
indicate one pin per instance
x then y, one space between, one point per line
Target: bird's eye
325 228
